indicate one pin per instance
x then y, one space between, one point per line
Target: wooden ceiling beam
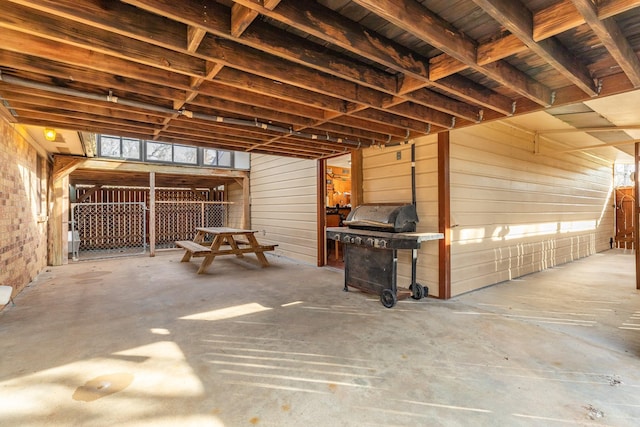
58 30
23 43
264 38
304 52
224 92
194 37
422 23
25 103
85 125
242 17
256 62
382 130
478 94
221 107
54 72
613 40
36 96
220 51
327 25
429 98
515 17
256 84
548 22
564 15
338 30
117 17
70 116
384 117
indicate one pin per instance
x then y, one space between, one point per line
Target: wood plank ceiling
306 78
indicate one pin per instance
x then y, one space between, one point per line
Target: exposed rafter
374 72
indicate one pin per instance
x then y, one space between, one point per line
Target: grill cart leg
417 290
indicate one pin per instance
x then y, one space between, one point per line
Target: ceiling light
50 134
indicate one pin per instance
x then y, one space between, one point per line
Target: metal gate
100 230
177 220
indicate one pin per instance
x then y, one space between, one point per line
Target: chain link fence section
177 220
101 230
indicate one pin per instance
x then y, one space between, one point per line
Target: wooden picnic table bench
224 243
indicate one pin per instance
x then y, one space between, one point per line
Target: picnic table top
225 230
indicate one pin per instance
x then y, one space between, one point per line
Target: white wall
387 179
519 212
284 205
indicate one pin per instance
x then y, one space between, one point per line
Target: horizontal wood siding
236 209
283 205
388 179
514 212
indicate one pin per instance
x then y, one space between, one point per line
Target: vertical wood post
59 222
246 195
321 203
152 214
636 211
356 178
444 217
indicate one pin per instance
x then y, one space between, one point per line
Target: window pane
158 152
210 157
182 154
131 148
224 158
109 146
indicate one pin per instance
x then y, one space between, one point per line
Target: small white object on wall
5 295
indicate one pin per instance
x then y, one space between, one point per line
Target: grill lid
383 217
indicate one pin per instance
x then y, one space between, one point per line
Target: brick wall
23 193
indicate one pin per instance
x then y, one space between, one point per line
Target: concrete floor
147 342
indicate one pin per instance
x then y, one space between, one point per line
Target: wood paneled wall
236 209
387 178
284 205
518 212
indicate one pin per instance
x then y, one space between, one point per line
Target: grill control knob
358 240
336 237
382 243
369 242
346 239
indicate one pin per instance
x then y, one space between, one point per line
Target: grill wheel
388 298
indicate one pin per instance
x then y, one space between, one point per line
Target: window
119 148
159 152
623 174
165 152
212 157
170 153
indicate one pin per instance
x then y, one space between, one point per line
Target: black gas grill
371 238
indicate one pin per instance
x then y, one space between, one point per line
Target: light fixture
50 134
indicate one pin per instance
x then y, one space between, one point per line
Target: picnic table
226 241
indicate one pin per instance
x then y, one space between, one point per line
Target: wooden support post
356 178
321 205
636 217
444 216
246 194
152 214
59 222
